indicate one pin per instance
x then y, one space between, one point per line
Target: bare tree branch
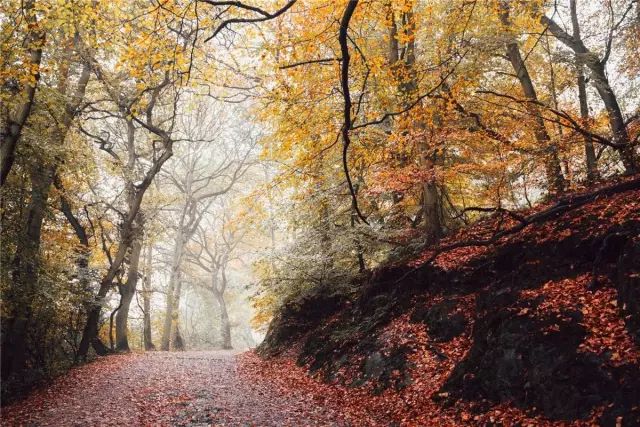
263 14
344 80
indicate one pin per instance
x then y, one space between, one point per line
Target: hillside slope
539 324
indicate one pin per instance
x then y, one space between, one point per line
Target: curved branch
512 214
573 124
65 206
564 205
264 15
311 61
415 102
344 80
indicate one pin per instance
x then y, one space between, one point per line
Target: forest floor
542 328
539 328
159 388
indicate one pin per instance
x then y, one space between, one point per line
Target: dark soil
529 352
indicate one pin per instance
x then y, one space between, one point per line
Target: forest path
193 388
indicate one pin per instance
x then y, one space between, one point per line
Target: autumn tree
208 167
63 99
212 250
144 89
427 108
618 14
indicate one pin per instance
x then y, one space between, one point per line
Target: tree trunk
601 83
358 245
83 252
136 197
129 291
589 151
27 254
26 261
178 342
90 332
224 316
14 125
218 294
146 300
189 220
89 335
127 237
555 181
174 280
614 113
225 325
25 274
112 344
165 340
568 175
431 200
393 55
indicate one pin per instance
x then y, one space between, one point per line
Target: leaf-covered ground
183 389
541 328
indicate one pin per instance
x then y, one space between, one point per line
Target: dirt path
159 388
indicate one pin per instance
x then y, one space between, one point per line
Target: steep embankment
540 326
